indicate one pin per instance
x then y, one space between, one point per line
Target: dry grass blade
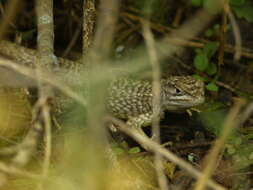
165 153
230 123
156 90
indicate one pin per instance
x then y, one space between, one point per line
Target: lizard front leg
140 121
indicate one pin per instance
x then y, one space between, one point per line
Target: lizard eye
178 91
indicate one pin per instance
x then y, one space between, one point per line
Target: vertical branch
45 38
98 51
45 45
89 18
44 9
223 30
107 18
11 11
156 104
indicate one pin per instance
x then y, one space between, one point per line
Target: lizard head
181 92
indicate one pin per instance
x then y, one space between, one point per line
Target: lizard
131 99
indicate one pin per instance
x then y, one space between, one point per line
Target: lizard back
127 97
130 98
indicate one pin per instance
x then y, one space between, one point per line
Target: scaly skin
132 99
128 99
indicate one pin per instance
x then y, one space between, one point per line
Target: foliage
203 64
156 9
245 11
242 8
123 148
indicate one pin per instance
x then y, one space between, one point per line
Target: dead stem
156 104
236 31
230 123
153 146
11 12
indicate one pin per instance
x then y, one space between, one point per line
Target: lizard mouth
184 103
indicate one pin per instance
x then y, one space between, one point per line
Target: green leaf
28 35
211 69
237 2
213 6
201 61
209 32
213 120
191 157
134 150
212 87
245 12
198 77
124 144
251 156
197 3
206 78
216 26
210 48
238 141
118 150
198 50
231 150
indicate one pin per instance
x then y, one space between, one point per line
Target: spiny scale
132 99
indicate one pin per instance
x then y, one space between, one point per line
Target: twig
230 123
246 114
178 17
47 139
72 42
166 153
3 14
16 171
108 16
222 39
197 43
156 104
236 30
46 59
11 12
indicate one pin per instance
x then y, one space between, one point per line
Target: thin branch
156 104
222 38
107 19
46 59
47 139
72 42
246 113
11 12
231 122
236 31
151 145
195 42
17 172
